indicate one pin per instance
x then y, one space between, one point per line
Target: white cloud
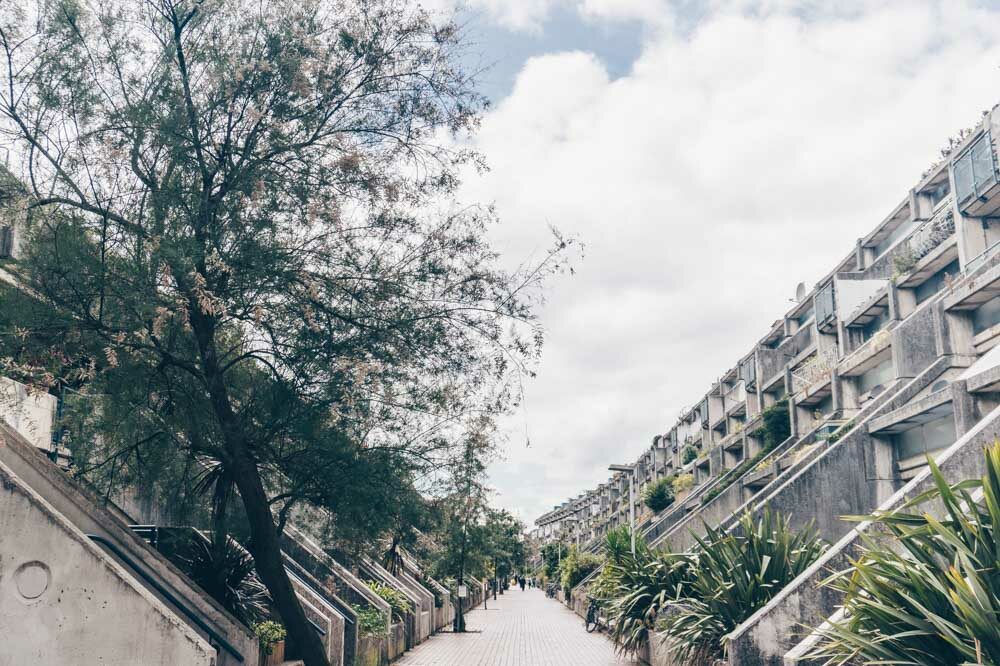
732 162
531 15
523 15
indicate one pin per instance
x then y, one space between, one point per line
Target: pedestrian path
518 629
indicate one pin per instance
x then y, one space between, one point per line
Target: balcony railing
975 170
825 306
932 233
748 373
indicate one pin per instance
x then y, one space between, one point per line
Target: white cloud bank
732 162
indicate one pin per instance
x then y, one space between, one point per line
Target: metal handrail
190 614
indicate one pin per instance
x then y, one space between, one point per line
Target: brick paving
518 629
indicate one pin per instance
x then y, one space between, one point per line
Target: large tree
239 216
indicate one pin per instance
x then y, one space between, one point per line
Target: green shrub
638 586
659 494
269 633
575 567
682 482
688 454
932 596
734 574
371 621
396 599
776 424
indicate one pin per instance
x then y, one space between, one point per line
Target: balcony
976 180
748 373
826 313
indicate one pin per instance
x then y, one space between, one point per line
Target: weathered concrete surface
63 601
771 632
28 413
85 513
343 643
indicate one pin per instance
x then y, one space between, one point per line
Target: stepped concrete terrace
893 356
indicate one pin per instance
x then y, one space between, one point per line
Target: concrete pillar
894 303
838 401
966 414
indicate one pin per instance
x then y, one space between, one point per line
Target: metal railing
932 233
975 170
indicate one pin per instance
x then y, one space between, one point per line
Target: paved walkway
518 629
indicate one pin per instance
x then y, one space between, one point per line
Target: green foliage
688 454
265 268
734 574
770 442
429 585
226 572
575 567
930 596
903 261
776 424
551 555
396 599
636 587
840 432
371 621
682 483
268 634
659 494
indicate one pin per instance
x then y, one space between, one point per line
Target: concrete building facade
890 357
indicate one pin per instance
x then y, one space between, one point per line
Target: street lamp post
631 497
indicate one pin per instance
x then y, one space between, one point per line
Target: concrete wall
86 514
775 629
29 414
63 601
370 651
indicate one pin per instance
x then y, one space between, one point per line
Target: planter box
277 656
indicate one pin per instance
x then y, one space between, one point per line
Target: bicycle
593 620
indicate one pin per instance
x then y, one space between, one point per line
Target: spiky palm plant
638 586
226 572
931 595
735 573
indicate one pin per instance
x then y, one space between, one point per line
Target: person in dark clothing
522 583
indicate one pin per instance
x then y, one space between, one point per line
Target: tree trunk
266 551
264 544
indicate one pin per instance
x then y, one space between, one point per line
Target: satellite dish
800 292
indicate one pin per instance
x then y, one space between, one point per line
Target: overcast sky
710 156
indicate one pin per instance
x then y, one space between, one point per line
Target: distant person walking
522 583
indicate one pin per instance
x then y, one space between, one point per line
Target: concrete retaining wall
63 601
775 629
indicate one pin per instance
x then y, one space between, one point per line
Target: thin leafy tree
239 215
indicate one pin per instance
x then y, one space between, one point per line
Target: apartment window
937 194
869 330
900 231
913 445
987 315
805 316
936 282
880 374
